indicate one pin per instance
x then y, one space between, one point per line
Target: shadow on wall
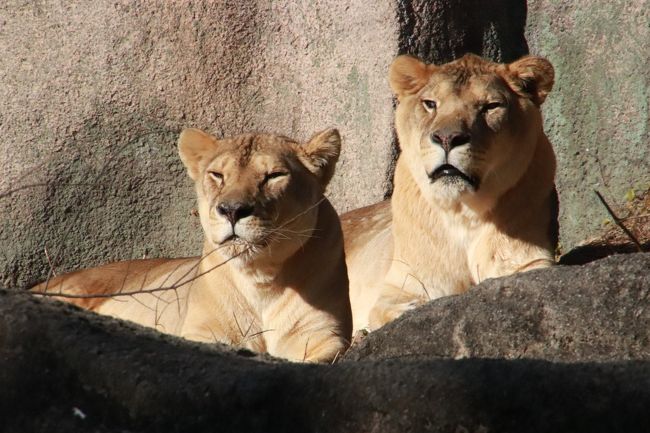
439 32
114 194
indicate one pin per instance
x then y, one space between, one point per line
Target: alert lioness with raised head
272 275
474 194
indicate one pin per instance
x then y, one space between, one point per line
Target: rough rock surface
63 369
93 97
596 312
597 115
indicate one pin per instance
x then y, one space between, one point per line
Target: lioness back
368 248
149 292
473 193
272 275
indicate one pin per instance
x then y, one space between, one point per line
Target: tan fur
439 235
279 286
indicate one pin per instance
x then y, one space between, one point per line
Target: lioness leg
320 345
490 259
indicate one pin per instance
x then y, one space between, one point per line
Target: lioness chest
248 315
434 260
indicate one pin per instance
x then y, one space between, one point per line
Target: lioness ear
408 75
321 153
195 147
533 77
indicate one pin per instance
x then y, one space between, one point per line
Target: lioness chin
272 274
474 194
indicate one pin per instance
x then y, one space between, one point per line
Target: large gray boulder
63 369
93 97
597 115
597 312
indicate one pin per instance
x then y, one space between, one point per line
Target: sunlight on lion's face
258 194
465 131
255 195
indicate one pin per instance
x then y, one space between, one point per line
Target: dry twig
619 222
49 261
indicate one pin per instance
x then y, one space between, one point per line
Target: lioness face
258 195
468 128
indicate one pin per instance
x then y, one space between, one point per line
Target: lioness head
468 129
258 194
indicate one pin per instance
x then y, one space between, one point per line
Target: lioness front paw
383 313
397 310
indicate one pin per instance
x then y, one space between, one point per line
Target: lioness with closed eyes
272 274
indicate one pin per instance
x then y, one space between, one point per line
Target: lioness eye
491 106
429 104
216 175
274 175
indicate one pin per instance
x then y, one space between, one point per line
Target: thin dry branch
634 217
49 261
241 331
619 222
255 334
139 292
12 191
304 356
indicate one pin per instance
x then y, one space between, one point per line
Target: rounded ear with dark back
321 153
531 77
196 148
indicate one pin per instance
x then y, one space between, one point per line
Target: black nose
448 140
234 211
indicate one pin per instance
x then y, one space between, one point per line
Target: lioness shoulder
474 193
272 275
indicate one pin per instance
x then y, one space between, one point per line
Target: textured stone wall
597 115
94 95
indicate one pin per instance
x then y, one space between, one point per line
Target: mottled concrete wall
94 95
597 115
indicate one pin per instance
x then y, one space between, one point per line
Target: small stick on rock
619 223
49 261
